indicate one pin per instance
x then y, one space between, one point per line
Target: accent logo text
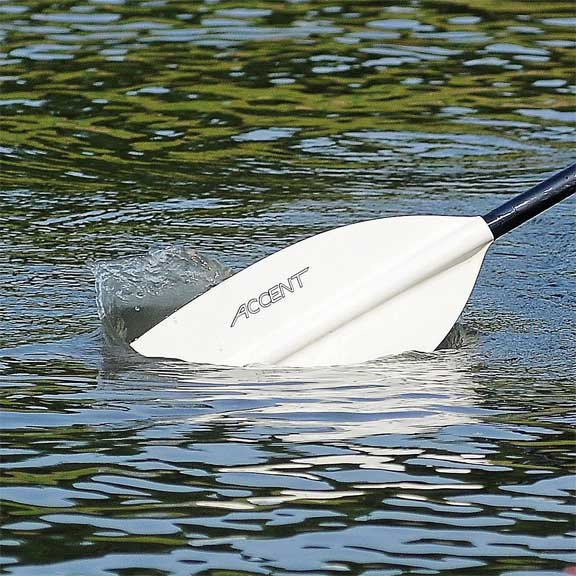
268 297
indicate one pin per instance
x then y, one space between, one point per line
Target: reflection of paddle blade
348 295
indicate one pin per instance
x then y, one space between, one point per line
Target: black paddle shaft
532 202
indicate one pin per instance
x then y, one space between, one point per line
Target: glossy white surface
348 295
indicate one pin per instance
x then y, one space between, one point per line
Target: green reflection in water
99 94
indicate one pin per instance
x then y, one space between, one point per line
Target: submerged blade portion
348 295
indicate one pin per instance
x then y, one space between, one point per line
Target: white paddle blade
348 295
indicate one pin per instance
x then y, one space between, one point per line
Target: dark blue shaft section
532 202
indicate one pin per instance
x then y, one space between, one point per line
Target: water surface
235 130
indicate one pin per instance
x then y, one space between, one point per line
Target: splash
135 293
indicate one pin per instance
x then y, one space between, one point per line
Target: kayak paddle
405 284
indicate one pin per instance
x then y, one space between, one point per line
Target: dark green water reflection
238 128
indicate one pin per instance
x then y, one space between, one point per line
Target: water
234 130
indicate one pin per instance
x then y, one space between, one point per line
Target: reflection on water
435 462
136 87
236 130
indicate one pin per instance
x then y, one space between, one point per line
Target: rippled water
236 129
